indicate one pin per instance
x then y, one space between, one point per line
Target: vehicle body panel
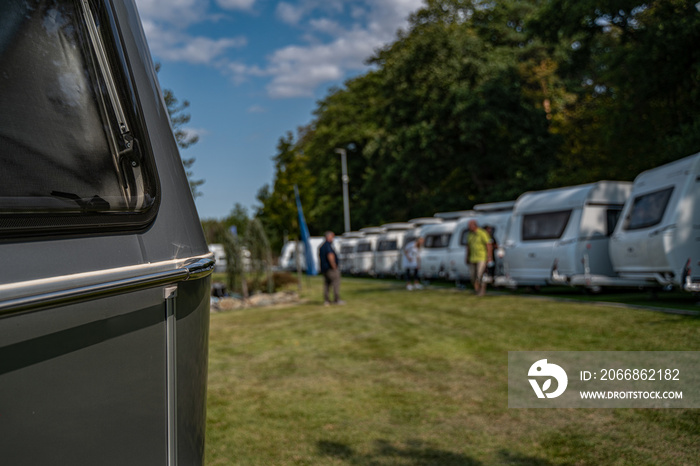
387 259
567 228
104 331
657 249
434 253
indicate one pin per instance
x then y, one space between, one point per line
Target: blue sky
253 70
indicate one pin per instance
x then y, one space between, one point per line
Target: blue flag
308 253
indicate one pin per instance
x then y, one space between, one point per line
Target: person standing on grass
329 268
411 262
479 251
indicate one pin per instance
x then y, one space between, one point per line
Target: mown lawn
420 378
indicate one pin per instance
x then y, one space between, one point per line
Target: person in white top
411 262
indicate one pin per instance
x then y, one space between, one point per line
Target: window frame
565 214
667 192
382 245
364 246
84 221
429 243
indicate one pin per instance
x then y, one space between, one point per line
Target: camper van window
437 241
612 217
548 225
648 209
463 237
364 247
347 249
387 245
72 151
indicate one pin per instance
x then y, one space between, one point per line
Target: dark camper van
104 270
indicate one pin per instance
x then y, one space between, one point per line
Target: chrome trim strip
36 294
170 295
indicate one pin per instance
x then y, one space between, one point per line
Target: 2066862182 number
640 374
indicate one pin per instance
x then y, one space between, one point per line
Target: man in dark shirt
329 268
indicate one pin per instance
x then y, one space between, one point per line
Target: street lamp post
346 179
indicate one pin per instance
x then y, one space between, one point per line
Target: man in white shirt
411 262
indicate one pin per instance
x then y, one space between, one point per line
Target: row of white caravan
608 233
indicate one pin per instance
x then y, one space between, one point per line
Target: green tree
480 101
634 69
258 245
277 210
215 230
239 218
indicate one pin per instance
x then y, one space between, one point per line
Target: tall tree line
479 101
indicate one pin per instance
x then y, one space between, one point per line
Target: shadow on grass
508 457
412 453
415 452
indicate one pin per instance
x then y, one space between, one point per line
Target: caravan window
612 217
648 209
463 237
71 146
408 238
437 241
364 247
387 245
347 249
548 225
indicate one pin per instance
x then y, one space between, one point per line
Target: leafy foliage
480 101
635 70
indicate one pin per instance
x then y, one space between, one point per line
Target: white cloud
289 13
293 13
325 25
240 72
199 133
357 28
171 44
297 71
236 4
176 12
256 109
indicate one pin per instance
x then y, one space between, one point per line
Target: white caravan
387 258
420 224
492 207
457 268
433 254
364 251
456 215
288 258
346 251
561 236
658 239
220 256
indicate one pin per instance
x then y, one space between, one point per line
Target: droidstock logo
542 369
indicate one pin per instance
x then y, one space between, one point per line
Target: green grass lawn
420 378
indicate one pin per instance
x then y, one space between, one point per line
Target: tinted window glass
548 225
463 237
648 209
437 241
613 216
364 247
69 141
347 249
387 245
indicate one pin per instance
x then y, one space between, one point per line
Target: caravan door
640 246
530 258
